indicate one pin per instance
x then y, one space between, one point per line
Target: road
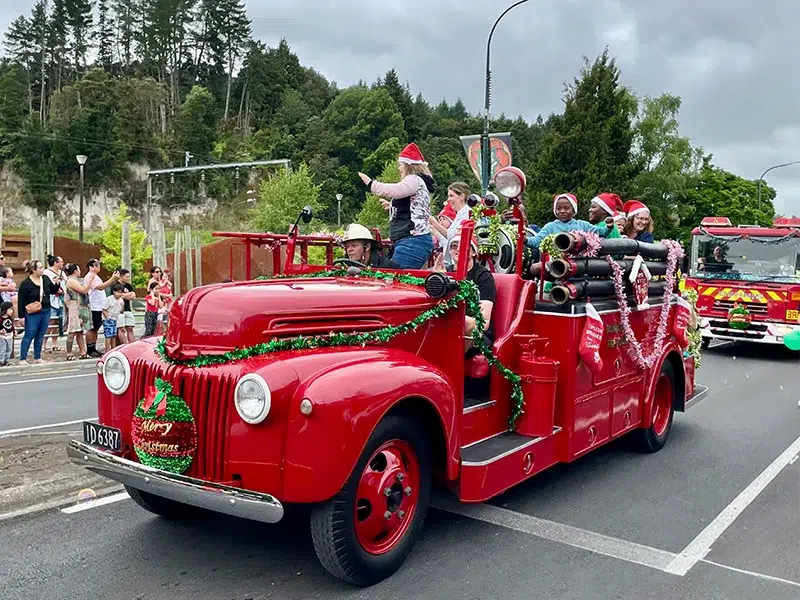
612 525
59 396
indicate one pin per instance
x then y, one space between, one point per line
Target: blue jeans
35 329
413 251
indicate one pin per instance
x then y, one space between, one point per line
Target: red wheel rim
662 405
387 497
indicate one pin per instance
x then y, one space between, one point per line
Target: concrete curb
62 366
53 504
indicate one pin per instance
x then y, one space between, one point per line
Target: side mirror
307 214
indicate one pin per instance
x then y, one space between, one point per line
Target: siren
715 222
473 200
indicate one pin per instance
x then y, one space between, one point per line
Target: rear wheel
654 438
163 507
364 533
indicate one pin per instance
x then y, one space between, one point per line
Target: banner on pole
500 148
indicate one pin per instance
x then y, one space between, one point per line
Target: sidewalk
58 360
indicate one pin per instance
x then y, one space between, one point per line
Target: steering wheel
350 263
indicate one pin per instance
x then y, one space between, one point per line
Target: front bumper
215 497
763 333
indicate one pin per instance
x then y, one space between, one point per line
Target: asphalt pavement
715 515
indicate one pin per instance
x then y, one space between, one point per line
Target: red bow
151 396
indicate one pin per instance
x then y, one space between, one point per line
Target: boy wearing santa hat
565 207
602 207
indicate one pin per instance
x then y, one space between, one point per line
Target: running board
700 393
498 447
474 404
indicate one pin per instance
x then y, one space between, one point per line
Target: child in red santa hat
639 224
565 207
409 206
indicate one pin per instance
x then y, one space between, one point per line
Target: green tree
194 127
111 245
372 213
104 35
12 107
587 149
717 192
283 196
79 25
666 162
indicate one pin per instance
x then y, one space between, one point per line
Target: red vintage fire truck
747 279
250 405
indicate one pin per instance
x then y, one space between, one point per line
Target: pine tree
125 18
234 33
17 45
104 36
79 24
401 97
57 44
38 43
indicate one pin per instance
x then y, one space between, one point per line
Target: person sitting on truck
639 225
602 207
487 292
359 245
565 207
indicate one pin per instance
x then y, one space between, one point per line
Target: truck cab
747 279
346 390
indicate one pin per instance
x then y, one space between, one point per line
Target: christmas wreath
739 317
466 293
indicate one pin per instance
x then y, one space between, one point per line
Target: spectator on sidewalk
152 305
111 312
55 270
79 313
34 307
97 300
8 287
127 320
6 332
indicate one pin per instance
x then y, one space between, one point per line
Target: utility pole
81 158
188 156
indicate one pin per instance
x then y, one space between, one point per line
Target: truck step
497 447
473 404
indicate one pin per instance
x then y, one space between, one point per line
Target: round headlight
252 398
116 373
510 182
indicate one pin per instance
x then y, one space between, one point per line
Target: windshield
731 257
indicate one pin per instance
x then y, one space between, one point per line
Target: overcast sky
733 62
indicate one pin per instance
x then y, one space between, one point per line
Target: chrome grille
755 308
207 397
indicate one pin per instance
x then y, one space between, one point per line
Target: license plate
101 436
792 315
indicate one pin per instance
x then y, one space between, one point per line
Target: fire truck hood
219 318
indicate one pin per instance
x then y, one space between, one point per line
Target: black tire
163 507
333 523
654 438
705 343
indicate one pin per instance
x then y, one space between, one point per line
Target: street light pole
794 162
485 153
81 158
339 210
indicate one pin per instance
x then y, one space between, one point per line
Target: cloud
733 62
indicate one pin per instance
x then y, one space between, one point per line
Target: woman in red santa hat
639 225
409 206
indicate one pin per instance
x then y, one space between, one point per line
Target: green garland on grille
467 293
548 245
695 337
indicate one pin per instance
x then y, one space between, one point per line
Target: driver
359 245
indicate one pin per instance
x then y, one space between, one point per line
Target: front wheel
654 438
364 533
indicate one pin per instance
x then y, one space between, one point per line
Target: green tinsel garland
467 293
177 464
695 337
548 245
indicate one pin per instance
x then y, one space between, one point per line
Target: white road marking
21 381
700 546
564 534
95 503
753 573
49 426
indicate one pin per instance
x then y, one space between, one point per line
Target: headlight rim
126 367
267 398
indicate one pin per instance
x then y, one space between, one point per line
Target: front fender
349 399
